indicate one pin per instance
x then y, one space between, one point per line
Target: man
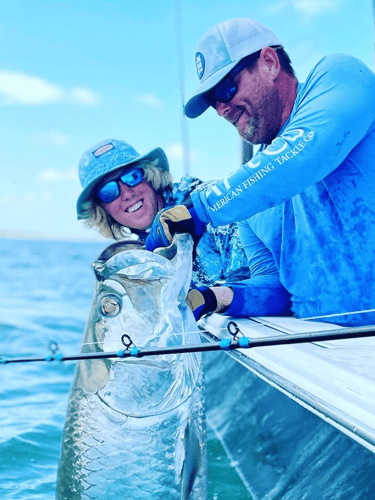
305 201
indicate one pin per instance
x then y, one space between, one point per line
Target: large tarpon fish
135 428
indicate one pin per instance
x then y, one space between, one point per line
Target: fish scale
105 468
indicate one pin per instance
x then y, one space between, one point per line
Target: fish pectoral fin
191 461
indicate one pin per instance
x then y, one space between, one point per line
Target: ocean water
46 290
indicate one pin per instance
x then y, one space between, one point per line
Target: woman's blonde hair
94 216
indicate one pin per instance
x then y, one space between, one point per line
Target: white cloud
85 96
151 100
308 7
174 151
47 197
30 198
6 198
275 8
54 175
58 138
29 90
314 7
17 87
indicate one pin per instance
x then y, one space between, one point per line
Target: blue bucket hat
105 157
220 50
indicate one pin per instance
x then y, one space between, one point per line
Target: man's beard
249 134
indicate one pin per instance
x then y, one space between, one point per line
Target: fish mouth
136 206
140 388
118 247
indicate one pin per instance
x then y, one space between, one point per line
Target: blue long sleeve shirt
306 203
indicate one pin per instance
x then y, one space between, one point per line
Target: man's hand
204 300
178 219
201 301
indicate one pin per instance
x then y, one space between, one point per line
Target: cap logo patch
200 63
103 149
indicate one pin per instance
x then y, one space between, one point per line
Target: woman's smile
135 207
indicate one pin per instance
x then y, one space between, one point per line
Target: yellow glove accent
174 214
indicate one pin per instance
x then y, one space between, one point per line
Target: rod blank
225 345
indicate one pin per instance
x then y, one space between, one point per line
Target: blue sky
74 72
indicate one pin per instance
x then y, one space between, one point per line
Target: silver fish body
135 428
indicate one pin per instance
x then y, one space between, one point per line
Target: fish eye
110 306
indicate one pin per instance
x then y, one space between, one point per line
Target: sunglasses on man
110 191
227 88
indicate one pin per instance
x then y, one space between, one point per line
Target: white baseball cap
220 49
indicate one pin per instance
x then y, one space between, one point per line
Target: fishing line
261 325
339 314
182 334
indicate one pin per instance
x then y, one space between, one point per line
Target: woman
122 193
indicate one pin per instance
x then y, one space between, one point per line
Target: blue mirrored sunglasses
227 88
110 191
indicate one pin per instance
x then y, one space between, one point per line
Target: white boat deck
333 379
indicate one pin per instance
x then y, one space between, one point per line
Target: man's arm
332 114
260 295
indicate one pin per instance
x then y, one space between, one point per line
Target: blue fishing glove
201 301
178 219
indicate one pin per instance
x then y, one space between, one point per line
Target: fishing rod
229 344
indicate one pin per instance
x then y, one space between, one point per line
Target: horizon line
36 235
